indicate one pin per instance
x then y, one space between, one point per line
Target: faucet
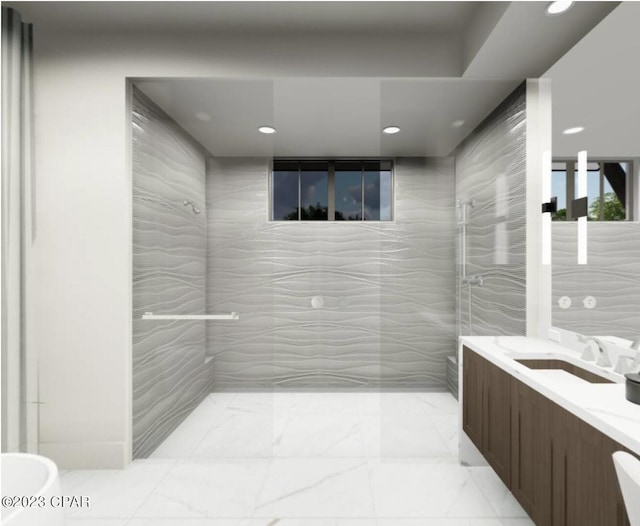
603 354
629 364
635 366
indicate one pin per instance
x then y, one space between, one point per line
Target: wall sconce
549 208
579 207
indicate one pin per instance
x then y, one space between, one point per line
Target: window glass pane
314 190
559 189
285 195
360 190
377 194
593 189
385 195
348 185
615 191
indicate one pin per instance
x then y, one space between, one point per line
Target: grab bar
152 316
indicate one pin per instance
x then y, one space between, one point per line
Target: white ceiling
335 117
233 16
329 75
597 85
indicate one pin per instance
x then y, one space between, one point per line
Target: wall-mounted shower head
467 202
195 209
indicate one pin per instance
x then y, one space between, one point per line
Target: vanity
547 422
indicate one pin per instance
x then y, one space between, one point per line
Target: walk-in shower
353 302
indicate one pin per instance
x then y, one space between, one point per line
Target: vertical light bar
582 221
546 217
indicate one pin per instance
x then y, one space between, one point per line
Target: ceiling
335 117
330 75
234 16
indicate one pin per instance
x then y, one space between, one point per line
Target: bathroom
325 363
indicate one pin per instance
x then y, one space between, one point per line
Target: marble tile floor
303 459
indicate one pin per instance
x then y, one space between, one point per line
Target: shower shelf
152 316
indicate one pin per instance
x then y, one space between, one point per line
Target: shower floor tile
303 459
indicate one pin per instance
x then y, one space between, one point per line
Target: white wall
80 261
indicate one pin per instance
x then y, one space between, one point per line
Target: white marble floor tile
186 437
402 436
368 403
96 522
303 459
393 404
114 493
321 436
207 489
315 488
497 493
447 427
275 404
426 489
324 402
440 522
439 403
314 522
190 522
238 434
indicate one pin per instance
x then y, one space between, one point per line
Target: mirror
596 109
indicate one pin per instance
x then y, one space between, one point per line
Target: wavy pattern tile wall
169 275
612 276
388 317
491 168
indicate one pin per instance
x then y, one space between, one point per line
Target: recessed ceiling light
202 116
560 6
390 130
458 123
266 129
572 131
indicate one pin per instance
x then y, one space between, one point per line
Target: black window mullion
601 218
331 192
362 191
571 188
299 194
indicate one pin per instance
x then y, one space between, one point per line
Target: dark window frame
331 195
571 169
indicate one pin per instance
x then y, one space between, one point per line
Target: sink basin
562 365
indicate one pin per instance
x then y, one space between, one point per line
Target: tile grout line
206 434
368 463
173 465
270 464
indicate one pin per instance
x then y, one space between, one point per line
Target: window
608 188
341 190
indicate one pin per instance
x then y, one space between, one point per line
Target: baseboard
330 390
86 455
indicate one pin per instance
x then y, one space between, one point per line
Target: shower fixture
462 224
195 209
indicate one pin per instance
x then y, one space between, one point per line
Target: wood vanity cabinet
556 465
585 486
472 396
486 411
531 450
497 439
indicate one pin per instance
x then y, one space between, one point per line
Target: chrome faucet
629 364
635 366
603 353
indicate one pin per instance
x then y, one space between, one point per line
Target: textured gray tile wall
611 276
169 275
388 317
491 168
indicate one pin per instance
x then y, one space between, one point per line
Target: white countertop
603 406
